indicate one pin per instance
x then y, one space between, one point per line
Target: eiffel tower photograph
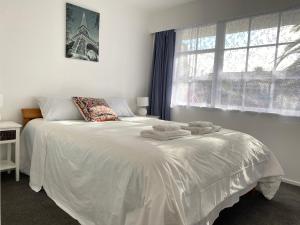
82 33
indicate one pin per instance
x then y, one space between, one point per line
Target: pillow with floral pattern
94 109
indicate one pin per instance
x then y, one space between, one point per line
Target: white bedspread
107 174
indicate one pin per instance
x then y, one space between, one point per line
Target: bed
107 174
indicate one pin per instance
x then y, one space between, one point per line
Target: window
250 64
194 66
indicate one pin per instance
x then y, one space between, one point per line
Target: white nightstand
10 134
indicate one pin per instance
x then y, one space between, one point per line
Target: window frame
219 52
194 79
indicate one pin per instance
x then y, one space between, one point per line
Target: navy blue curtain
162 73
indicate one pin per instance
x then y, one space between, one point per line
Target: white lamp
1 103
142 103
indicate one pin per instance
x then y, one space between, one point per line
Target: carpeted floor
21 206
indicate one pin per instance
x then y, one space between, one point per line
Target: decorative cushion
58 108
120 106
94 109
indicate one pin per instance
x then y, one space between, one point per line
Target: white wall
32 61
281 134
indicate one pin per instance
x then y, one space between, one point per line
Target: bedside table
10 134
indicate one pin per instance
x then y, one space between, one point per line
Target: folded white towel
200 124
164 135
198 130
217 128
166 127
202 130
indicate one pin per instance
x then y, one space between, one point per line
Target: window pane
288 58
245 81
185 66
188 45
180 94
290 26
207 37
261 59
264 30
237 33
200 94
205 64
187 39
287 94
257 93
199 38
235 60
231 91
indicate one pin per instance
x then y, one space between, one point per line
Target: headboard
30 114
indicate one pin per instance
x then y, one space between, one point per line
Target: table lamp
142 103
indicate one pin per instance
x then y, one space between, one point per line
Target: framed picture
82 33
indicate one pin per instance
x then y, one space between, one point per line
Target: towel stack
201 127
164 132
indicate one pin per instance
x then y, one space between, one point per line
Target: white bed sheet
106 174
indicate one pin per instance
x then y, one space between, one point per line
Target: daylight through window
250 64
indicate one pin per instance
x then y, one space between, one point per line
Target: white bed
106 174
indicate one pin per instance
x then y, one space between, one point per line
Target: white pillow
119 106
56 108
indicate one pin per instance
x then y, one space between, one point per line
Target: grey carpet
21 206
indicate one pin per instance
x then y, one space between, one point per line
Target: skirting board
293 182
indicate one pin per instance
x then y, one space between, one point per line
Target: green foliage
291 49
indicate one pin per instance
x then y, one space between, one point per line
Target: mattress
107 174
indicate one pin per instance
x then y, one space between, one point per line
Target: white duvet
107 174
